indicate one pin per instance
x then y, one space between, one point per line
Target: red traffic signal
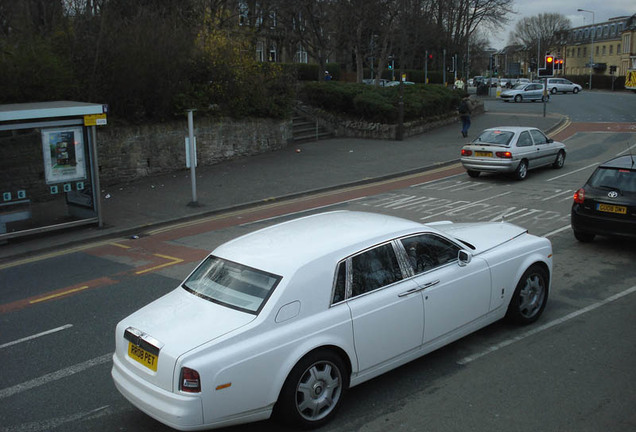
549 59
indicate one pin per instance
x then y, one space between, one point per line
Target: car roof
625 162
513 129
285 247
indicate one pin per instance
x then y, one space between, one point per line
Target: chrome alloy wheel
532 296
319 390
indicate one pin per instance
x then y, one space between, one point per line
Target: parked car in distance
287 318
524 91
562 85
511 149
397 83
504 83
371 81
606 204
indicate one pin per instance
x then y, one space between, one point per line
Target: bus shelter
49 176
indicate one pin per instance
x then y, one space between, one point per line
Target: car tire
522 170
584 237
313 390
575 91
518 98
530 296
559 161
473 174
545 98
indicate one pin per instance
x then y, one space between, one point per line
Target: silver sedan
525 91
511 149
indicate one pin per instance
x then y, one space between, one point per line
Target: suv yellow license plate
142 356
609 208
483 154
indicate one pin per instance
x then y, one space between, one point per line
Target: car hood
482 236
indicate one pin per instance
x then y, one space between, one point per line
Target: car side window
427 251
341 283
524 139
374 269
538 137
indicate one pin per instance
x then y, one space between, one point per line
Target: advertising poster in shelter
63 151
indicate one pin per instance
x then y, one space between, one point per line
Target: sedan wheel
313 390
576 90
518 98
545 98
522 170
530 296
559 161
553 90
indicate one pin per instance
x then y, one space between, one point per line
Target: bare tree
542 29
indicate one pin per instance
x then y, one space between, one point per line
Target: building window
260 54
585 52
626 40
603 49
597 50
272 57
244 11
301 55
611 49
578 52
618 48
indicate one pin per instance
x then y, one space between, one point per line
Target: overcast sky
603 11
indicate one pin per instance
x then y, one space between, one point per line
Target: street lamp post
592 49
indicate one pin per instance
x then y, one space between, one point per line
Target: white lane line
47 425
556 231
467 205
546 326
35 336
565 192
572 172
54 376
627 150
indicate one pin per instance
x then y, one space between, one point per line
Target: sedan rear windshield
232 284
494 137
614 178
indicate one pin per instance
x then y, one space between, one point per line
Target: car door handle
418 289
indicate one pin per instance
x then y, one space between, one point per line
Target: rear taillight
467 152
190 381
579 196
504 155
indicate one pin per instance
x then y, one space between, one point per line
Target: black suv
606 204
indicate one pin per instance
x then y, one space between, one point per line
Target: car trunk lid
150 341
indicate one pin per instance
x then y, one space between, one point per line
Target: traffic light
549 64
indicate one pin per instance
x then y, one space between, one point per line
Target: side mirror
464 257
549 140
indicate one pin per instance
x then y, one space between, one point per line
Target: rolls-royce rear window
232 284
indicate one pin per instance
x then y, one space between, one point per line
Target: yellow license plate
142 356
483 154
609 208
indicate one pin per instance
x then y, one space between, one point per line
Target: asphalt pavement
130 209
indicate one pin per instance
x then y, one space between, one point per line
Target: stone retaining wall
127 153
363 129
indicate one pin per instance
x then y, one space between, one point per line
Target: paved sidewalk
130 209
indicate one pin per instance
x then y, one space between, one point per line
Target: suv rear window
614 178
